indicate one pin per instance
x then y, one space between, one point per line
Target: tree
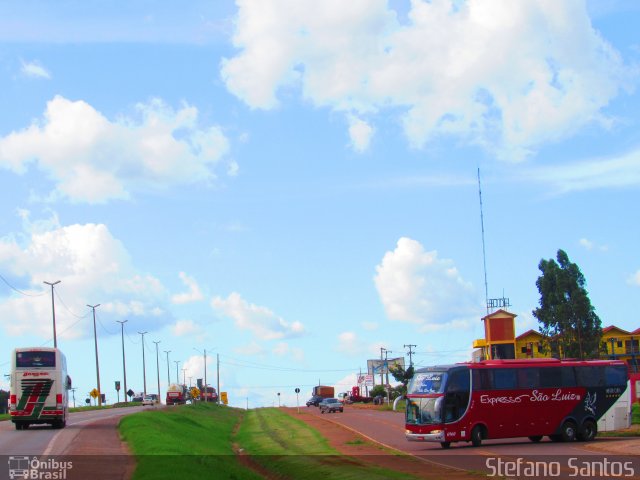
566 315
403 376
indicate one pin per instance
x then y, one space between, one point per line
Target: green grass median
213 441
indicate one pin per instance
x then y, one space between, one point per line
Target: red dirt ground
350 443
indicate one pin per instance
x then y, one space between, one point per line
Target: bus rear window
35 359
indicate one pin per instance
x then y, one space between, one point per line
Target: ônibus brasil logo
33 468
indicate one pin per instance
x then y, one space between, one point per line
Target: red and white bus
532 398
39 387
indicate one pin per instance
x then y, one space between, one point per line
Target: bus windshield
34 358
424 411
427 382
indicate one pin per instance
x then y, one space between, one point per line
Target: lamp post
158 368
177 362
95 341
53 310
144 370
168 379
124 363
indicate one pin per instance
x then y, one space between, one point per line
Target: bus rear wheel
568 431
588 431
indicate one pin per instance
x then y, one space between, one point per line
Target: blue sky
292 185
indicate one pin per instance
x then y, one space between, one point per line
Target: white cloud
34 70
261 321
194 367
92 159
507 75
360 133
621 171
635 279
185 327
93 267
418 287
193 295
349 344
590 245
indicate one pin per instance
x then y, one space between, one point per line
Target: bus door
456 399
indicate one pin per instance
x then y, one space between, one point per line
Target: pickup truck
331 405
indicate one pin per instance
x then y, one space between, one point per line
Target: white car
149 400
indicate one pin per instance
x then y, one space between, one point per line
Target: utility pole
53 310
382 349
184 378
124 363
95 341
168 379
410 354
144 370
158 369
204 395
386 366
218 374
177 362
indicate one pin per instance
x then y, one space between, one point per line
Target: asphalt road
44 440
572 460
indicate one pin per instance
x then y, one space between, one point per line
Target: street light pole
95 341
144 370
177 362
184 378
158 368
204 395
53 310
168 379
124 363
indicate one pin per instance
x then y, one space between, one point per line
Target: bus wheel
568 431
445 445
476 436
535 438
18 425
588 431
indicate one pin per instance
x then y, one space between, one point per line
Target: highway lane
387 428
44 440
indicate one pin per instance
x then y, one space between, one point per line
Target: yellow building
500 342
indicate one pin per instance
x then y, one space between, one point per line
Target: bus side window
529 378
68 385
505 378
615 375
590 376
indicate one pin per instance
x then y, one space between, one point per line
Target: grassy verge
289 448
190 441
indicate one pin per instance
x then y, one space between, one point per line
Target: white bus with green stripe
39 387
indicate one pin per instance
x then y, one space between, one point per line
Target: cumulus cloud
185 327
349 344
93 159
417 286
93 267
34 70
506 75
261 321
193 295
590 245
360 133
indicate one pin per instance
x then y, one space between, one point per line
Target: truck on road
175 394
323 391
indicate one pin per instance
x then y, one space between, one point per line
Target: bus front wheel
568 431
476 436
445 444
535 438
